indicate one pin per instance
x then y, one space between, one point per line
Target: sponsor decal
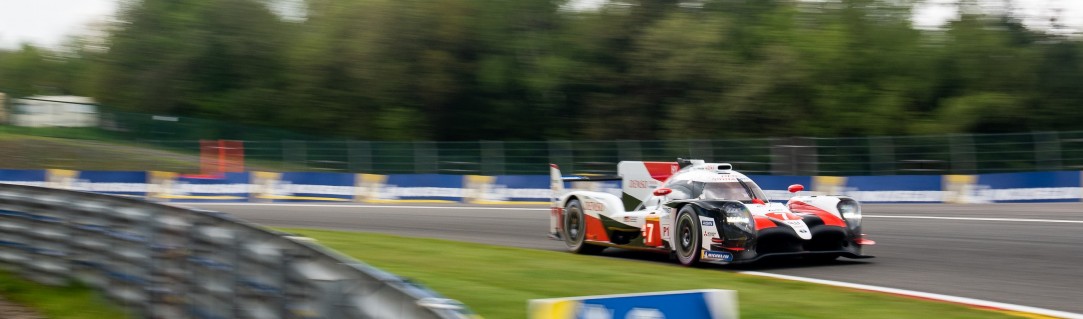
720 255
638 184
665 232
799 227
707 223
710 234
594 206
630 219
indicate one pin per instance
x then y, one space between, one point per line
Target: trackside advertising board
410 188
228 187
1057 186
891 189
133 184
688 304
506 189
29 177
304 186
1064 186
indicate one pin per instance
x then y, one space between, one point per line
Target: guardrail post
882 155
963 159
699 149
294 152
794 156
1047 154
492 158
360 156
426 157
629 150
560 152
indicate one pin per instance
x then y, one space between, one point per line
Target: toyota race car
702 212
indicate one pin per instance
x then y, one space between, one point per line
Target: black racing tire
687 238
574 225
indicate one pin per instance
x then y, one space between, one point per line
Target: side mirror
796 188
662 191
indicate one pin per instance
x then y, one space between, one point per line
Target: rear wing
638 180
598 178
642 178
556 181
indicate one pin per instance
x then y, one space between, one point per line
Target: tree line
539 69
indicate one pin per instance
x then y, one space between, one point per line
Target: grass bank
496 281
69 302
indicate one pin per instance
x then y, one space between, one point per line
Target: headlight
738 216
851 211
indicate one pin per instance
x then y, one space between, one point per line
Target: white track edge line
991 219
924 295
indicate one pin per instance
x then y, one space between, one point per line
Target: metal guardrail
170 262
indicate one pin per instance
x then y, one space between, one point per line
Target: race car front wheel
687 238
575 229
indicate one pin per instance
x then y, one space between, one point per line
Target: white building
47 111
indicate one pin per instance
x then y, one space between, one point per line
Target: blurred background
494 86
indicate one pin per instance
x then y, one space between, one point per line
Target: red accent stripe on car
661 171
595 229
558 214
763 222
828 218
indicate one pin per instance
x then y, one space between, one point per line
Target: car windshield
726 190
733 190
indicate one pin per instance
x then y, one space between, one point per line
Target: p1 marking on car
702 212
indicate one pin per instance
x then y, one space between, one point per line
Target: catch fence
266 149
885 155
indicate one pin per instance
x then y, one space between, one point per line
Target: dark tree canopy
535 69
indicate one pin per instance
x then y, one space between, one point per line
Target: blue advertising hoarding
228 187
411 188
506 189
689 304
305 186
1057 186
132 184
32 177
893 189
1064 186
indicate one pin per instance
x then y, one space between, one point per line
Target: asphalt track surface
1025 254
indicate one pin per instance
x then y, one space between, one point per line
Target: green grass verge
496 281
67 302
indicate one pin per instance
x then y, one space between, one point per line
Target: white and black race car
702 212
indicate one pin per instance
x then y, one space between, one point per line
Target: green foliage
73 301
535 69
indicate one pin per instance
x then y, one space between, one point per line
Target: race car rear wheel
575 229
687 239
